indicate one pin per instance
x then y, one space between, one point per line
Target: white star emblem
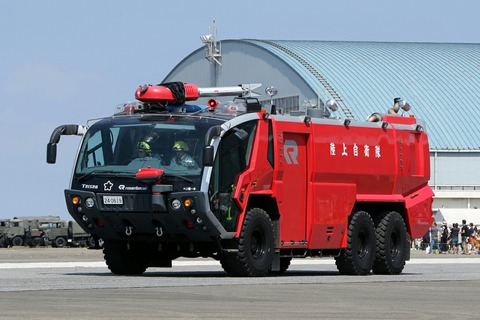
107 186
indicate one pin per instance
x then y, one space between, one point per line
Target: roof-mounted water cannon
177 93
399 103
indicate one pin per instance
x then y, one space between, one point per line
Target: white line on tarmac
101 264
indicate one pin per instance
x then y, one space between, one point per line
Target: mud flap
276 261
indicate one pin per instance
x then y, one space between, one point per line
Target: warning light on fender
75 200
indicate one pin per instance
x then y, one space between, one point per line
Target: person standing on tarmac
434 237
454 231
444 238
464 232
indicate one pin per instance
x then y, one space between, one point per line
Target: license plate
112 200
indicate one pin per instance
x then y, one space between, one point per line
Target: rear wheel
392 246
37 241
357 258
123 259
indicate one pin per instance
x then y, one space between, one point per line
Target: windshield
121 146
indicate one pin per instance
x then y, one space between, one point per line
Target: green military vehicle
4 224
45 230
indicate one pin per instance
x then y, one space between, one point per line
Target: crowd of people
464 239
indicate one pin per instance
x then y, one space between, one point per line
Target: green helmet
180 146
143 146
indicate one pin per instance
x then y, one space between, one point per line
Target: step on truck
163 178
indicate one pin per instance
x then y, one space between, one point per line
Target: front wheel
124 259
17 242
357 258
60 242
392 244
256 246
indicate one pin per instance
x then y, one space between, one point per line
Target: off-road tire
357 258
256 247
392 245
122 259
60 242
17 242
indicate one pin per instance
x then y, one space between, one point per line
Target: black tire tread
122 261
348 262
385 262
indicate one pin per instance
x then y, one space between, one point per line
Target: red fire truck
162 179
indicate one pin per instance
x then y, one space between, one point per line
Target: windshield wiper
171 175
100 172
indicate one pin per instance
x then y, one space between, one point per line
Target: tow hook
128 230
159 231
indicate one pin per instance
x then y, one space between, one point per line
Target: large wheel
256 247
17 242
37 241
357 258
122 259
392 247
60 242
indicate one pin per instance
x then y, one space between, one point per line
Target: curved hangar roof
441 81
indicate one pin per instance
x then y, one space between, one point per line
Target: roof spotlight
271 91
331 104
404 105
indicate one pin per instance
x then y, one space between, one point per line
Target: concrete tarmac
74 283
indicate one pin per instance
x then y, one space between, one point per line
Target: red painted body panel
323 169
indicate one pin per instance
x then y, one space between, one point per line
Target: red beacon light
149 174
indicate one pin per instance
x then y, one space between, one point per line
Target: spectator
454 232
426 241
464 233
434 237
472 234
444 238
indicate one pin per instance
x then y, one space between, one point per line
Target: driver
181 157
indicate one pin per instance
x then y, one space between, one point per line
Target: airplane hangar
441 82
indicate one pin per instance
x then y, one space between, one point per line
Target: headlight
176 204
89 203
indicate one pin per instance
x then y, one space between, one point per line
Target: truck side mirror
66 129
51 153
208 156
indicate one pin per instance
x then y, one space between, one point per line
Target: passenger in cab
181 157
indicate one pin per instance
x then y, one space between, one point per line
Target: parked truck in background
258 188
43 231
4 224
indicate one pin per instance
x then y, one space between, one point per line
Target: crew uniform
181 158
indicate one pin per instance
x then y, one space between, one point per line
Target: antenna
213 50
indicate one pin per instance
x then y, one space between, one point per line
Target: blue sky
69 61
